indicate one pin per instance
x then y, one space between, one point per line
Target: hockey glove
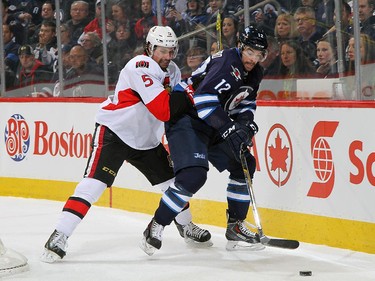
252 128
238 138
187 89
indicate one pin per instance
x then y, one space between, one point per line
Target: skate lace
157 230
59 240
194 230
243 226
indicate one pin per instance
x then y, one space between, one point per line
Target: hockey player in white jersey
129 127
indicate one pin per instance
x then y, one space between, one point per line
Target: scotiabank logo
17 137
279 155
46 142
322 159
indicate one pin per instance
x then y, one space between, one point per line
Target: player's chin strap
280 243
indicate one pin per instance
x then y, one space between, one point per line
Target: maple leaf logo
278 151
279 155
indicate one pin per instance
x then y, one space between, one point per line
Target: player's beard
164 63
249 66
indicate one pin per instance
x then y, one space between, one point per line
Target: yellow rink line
334 232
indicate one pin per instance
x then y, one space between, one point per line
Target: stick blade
282 243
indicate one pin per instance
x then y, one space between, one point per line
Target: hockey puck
305 273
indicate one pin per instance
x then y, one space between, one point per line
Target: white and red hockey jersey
140 104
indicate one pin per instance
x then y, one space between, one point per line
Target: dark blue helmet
254 38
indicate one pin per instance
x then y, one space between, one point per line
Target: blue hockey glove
238 138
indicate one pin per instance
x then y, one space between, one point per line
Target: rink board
315 174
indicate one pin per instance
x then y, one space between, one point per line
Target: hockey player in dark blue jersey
223 125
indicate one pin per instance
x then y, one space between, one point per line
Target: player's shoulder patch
219 54
142 64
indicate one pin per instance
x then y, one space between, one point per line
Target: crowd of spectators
301 35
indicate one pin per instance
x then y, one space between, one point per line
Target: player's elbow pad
179 104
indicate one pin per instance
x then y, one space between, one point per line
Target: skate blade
243 246
147 248
49 256
195 244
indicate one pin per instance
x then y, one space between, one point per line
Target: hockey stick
273 242
218 31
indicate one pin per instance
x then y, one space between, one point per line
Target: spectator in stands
96 24
294 63
120 51
11 47
367 51
19 31
345 26
195 18
175 20
11 59
323 12
285 28
234 6
327 57
82 71
4 11
46 48
65 10
272 63
82 68
32 72
367 54
66 63
28 12
93 46
66 35
214 8
121 14
230 26
79 12
194 57
147 15
366 16
265 18
309 34
145 25
48 14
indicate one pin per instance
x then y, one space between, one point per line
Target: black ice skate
239 236
152 237
194 235
55 247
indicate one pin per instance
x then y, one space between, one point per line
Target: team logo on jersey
167 83
236 73
142 63
236 98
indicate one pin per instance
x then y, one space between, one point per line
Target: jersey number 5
148 81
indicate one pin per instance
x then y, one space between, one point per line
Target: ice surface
105 247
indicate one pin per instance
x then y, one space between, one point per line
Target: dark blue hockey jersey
227 91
